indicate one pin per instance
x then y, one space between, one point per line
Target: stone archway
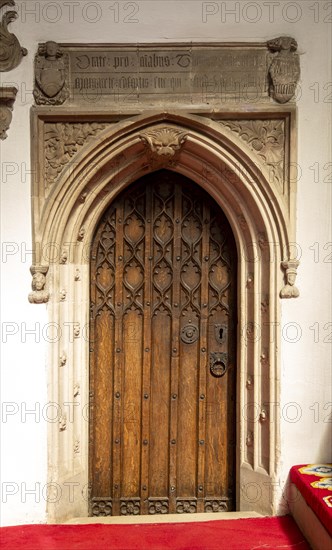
66 213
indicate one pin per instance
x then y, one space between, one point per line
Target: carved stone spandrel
7 99
38 295
62 141
284 69
290 290
51 71
11 52
266 138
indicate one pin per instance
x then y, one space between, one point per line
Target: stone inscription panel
195 74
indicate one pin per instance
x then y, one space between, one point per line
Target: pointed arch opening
65 221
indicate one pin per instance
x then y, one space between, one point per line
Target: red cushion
314 481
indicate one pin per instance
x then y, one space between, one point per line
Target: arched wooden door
163 371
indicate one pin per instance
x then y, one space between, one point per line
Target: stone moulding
261 215
11 52
7 99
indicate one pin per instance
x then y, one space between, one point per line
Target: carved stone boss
196 74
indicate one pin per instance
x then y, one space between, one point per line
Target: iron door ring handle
218 364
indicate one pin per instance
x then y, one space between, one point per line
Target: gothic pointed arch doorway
163 328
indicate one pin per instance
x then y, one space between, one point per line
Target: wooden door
162 372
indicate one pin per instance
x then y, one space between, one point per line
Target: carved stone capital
11 52
51 72
163 143
38 295
7 99
290 290
284 69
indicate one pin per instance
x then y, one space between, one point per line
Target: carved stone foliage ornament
267 139
62 141
284 70
11 52
7 99
290 290
51 69
163 143
38 295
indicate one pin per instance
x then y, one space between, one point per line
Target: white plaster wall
306 340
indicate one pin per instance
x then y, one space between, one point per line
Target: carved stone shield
51 79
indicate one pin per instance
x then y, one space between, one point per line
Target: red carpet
238 534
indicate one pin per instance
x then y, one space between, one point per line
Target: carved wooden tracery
163 262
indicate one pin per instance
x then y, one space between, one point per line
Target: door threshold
163 518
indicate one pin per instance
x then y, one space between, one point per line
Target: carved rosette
51 73
62 142
163 144
130 507
216 505
290 290
185 506
284 69
158 506
11 52
38 295
266 138
101 507
7 99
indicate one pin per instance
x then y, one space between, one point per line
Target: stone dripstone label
196 74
